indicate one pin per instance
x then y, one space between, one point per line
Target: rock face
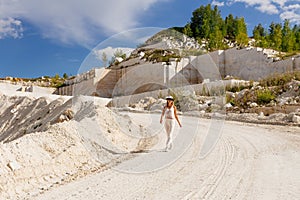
23 115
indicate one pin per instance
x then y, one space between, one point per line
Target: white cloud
281 3
287 9
77 21
217 3
10 27
263 6
267 8
291 12
291 16
292 7
109 51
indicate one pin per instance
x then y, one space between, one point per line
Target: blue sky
54 37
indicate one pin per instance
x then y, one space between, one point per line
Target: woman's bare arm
175 113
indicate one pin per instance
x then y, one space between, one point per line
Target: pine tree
259 35
275 36
208 24
187 30
65 76
296 31
241 36
288 38
229 24
216 39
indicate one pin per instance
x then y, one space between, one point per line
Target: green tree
56 76
230 27
296 31
187 30
216 39
197 21
204 21
200 21
65 76
288 38
207 23
275 36
240 32
119 53
259 34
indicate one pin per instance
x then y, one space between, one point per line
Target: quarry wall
246 64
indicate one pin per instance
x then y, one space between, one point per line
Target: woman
170 114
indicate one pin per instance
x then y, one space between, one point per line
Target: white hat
169 98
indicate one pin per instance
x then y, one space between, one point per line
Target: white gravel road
248 161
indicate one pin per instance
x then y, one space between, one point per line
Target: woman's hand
160 121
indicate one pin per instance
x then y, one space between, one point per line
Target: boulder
261 116
188 103
293 117
228 105
296 119
253 105
202 106
277 117
145 103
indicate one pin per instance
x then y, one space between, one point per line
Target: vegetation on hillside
44 81
266 91
207 25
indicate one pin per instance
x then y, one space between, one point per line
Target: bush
265 96
280 79
230 99
239 87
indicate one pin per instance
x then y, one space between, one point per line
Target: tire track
210 184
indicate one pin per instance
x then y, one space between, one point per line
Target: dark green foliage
65 76
207 24
187 30
279 37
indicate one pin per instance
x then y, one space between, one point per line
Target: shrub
230 99
280 79
239 87
265 96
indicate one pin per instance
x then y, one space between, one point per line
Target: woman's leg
169 126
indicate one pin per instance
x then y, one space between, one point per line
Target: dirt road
247 162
